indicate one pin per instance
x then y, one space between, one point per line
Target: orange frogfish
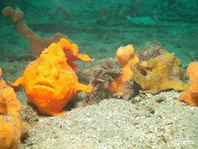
50 81
190 95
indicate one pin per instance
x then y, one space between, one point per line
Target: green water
99 27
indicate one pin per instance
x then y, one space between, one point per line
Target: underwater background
99 28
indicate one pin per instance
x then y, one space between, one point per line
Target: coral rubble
150 50
103 73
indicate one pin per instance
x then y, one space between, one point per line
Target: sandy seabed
147 121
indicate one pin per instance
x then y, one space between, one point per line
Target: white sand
154 122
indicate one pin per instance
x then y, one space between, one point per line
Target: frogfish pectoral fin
85 88
58 113
18 83
84 57
47 111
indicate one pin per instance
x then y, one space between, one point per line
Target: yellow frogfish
50 81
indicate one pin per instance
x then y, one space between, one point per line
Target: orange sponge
127 58
191 94
37 43
11 126
2 82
